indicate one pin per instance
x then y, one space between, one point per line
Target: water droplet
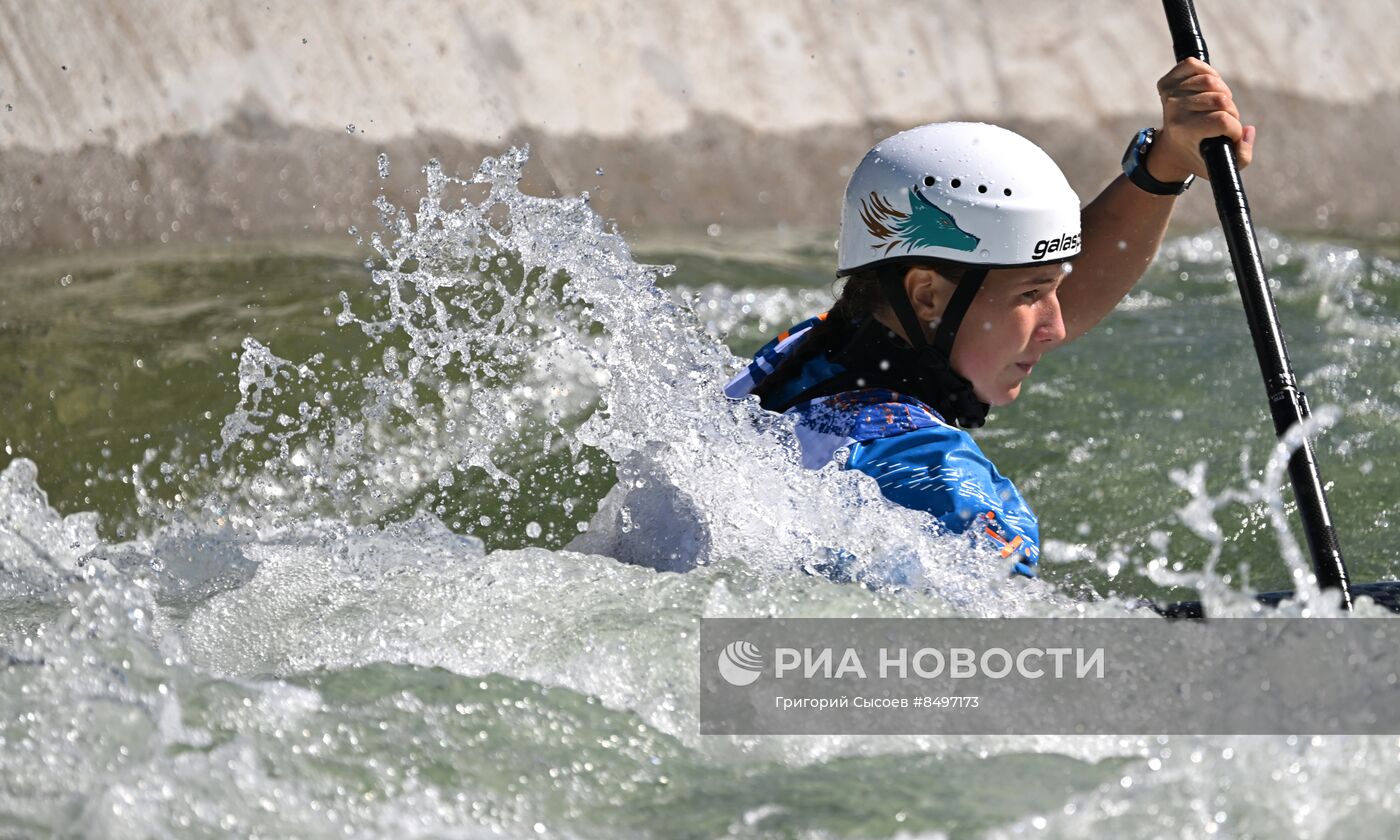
383 165
349 128
599 172
714 230
984 253
532 530
66 280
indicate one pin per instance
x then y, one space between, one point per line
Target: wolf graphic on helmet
924 226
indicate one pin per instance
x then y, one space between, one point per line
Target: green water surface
109 356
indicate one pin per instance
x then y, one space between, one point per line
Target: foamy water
315 631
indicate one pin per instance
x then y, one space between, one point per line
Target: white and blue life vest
918 459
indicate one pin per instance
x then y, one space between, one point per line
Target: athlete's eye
1031 296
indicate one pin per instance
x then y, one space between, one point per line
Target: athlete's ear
928 291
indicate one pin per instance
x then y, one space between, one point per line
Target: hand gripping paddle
1287 404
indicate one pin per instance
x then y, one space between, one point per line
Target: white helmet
964 192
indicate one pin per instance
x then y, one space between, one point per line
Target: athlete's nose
1051 328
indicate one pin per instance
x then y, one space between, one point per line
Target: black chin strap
960 405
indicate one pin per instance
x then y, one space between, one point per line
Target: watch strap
1135 167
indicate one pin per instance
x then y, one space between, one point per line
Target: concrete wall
142 120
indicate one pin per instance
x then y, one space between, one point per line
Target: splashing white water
514 317
315 645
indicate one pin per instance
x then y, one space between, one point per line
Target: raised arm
1124 225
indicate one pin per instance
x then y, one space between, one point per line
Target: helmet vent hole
929 180
1007 191
957 182
982 188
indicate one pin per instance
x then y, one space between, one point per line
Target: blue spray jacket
919 461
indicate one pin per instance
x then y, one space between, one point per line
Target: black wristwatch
1135 167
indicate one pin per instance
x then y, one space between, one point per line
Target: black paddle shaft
1287 404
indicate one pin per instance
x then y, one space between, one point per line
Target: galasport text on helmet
962 192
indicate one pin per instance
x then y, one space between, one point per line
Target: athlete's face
1012 322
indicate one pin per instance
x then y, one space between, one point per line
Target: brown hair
860 298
